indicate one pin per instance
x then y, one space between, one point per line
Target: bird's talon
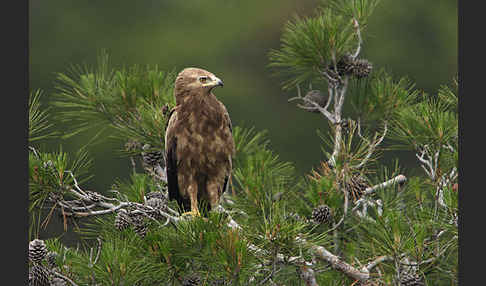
191 213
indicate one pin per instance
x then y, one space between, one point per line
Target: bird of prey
199 143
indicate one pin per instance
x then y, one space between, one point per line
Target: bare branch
360 40
364 202
340 265
99 251
322 254
400 179
427 163
332 81
314 106
372 146
308 275
83 194
330 92
110 209
368 267
340 94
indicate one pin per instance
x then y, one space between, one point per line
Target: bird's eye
203 79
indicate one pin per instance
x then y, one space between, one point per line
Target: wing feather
227 178
172 162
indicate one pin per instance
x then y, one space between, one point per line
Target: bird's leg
215 191
192 190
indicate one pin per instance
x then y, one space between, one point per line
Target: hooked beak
217 82
214 82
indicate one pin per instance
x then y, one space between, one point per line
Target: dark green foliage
310 45
381 97
248 142
51 175
206 247
360 10
50 172
120 263
449 95
353 148
281 217
38 119
428 122
136 188
131 100
258 172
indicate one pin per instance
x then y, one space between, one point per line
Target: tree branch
314 106
324 255
400 179
372 146
321 253
360 40
368 267
308 275
63 277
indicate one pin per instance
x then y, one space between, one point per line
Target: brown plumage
199 142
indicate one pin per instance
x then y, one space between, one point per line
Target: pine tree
352 221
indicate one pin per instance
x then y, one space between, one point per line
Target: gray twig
372 145
360 40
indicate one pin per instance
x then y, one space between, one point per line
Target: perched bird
199 143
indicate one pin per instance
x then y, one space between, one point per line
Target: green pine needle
38 118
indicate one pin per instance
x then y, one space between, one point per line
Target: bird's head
195 81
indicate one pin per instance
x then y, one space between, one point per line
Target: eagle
199 144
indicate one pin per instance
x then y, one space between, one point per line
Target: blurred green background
231 38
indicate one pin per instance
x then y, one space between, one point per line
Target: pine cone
37 250
56 281
38 276
315 96
159 195
409 275
51 259
321 214
139 225
356 186
361 68
140 229
410 279
157 204
122 220
191 280
345 65
151 158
